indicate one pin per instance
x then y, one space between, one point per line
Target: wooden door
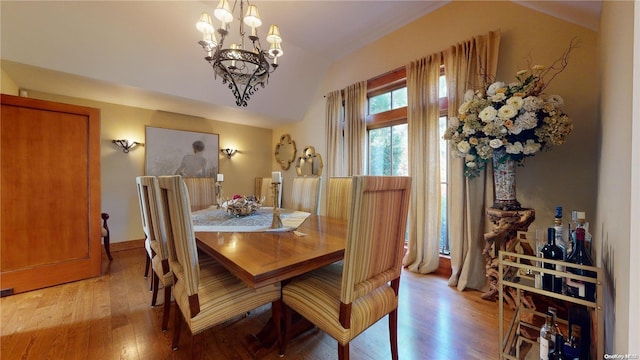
50 194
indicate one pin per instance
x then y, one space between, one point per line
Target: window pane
399 98
443 87
379 151
442 123
399 148
380 103
444 236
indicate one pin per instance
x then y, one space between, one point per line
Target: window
388 101
388 150
444 167
387 134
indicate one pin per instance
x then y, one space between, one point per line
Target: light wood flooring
109 317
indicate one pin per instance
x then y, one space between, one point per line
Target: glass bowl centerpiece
241 205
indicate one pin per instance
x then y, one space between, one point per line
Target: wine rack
517 274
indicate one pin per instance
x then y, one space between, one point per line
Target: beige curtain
424 165
334 134
469 65
355 128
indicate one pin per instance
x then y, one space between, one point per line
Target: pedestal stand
503 236
276 223
219 198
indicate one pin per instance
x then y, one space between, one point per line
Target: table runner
213 219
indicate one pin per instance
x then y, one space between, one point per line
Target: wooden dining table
268 257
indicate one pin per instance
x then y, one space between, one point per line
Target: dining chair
148 195
202 191
264 188
339 197
150 241
345 299
106 235
305 193
206 294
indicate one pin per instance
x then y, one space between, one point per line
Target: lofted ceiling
145 53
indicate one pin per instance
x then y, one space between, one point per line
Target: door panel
50 193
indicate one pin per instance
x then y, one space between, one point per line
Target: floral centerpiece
517 120
241 205
507 123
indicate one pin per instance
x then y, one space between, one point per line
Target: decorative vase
504 182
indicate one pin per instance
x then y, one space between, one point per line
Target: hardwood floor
109 317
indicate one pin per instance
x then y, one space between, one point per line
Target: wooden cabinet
50 206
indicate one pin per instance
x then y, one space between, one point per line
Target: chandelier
242 68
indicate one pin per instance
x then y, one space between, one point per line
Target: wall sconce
126 145
229 152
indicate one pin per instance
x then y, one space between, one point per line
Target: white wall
634 247
615 166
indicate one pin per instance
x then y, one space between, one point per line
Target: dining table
260 255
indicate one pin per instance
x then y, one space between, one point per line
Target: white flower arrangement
516 117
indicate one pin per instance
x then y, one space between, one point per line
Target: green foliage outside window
388 151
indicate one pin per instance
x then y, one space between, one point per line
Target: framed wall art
181 152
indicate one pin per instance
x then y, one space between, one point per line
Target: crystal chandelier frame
242 70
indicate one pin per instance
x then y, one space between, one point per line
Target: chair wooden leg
154 286
167 308
393 333
196 346
147 264
107 249
177 326
343 351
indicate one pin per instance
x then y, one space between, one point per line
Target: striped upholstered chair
344 300
148 195
305 193
339 197
206 293
202 191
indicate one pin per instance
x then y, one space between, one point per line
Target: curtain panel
469 65
355 128
333 130
346 144
423 112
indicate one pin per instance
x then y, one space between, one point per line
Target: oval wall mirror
285 151
309 163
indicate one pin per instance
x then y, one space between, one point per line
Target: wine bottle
571 347
558 353
578 288
579 315
554 312
551 282
547 337
579 220
560 240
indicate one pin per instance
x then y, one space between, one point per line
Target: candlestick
276 177
276 223
218 185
